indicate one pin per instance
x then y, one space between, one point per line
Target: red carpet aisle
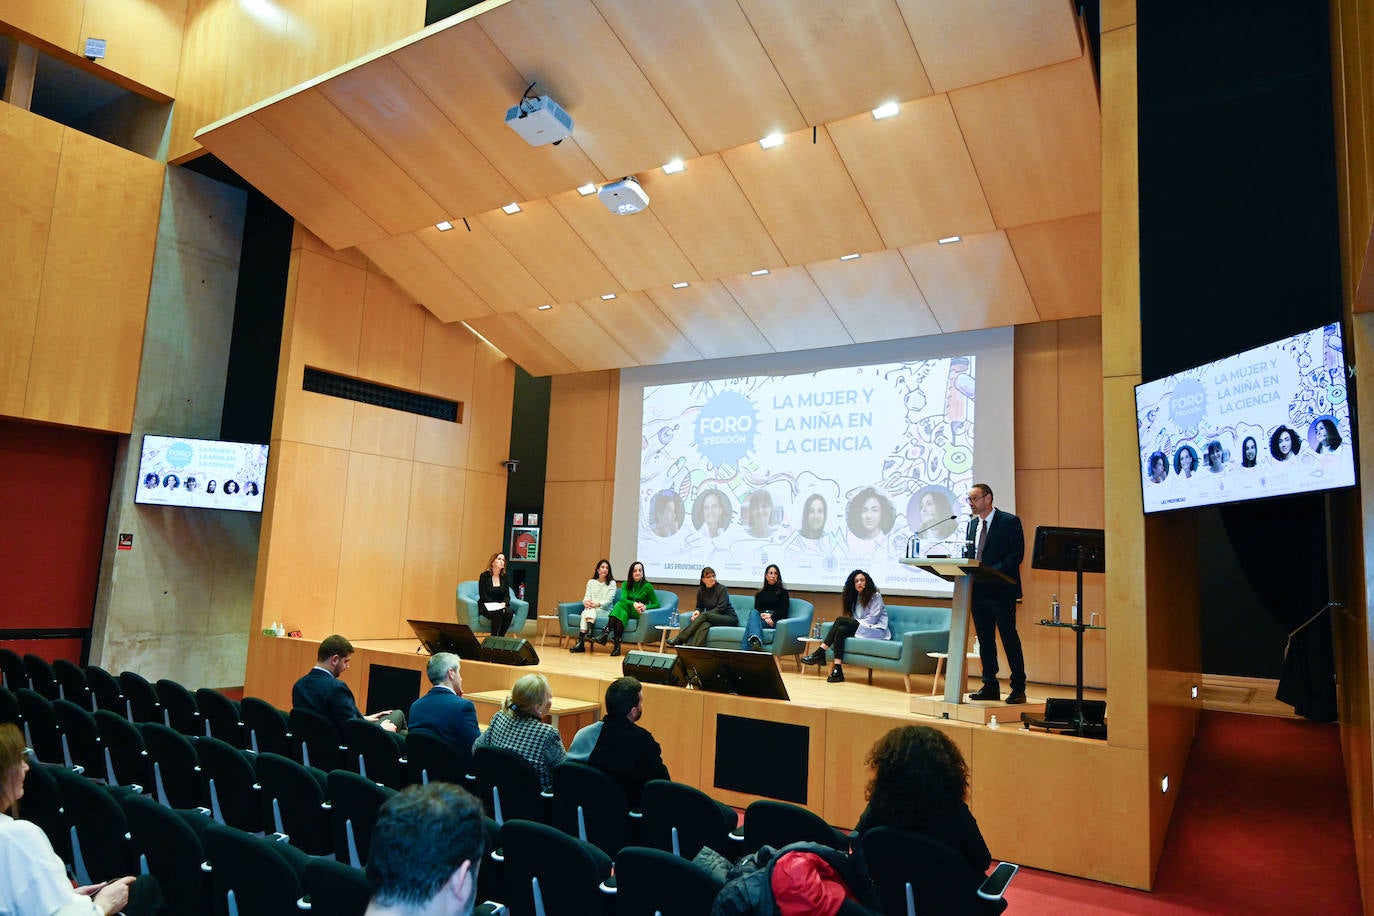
1262 826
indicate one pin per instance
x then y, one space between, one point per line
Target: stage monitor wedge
653 668
447 636
509 650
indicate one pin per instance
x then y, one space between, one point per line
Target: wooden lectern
963 573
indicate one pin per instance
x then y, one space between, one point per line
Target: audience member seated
321 690
426 849
444 710
519 727
33 880
636 597
920 783
770 605
618 745
597 599
713 609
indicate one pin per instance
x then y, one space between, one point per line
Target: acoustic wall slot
352 389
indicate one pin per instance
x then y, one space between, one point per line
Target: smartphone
995 885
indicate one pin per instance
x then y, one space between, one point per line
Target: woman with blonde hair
519 727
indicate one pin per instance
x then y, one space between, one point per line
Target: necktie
982 537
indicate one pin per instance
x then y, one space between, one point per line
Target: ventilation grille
352 389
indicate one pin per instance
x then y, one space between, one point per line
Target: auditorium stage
1026 792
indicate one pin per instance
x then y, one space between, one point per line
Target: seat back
143 702
509 786
546 865
12 670
221 717
267 728
42 805
41 676
650 881
175 766
379 755
588 804
353 804
248 868
106 690
294 803
335 888
231 783
71 683
940 880
179 708
83 739
9 708
775 823
680 819
40 726
166 846
126 756
320 742
96 825
430 758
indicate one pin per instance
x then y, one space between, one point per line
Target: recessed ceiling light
885 110
608 297
950 239
683 285
761 272
445 226
672 168
545 307
772 140
587 189
850 257
511 207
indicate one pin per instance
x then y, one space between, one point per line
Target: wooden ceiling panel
636 324
551 251
386 105
636 249
320 134
839 57
510 334
972 284
1035 139
726 91
420 272
578 337
711 319
292 183
914 173
974 41
492 272
468 78
569 51
710 219
874 297
789 309
805 197
1062 264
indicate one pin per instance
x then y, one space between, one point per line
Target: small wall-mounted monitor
747 674
201 473
1269 421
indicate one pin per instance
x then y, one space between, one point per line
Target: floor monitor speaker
509 650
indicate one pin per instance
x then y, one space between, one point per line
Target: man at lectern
1000 544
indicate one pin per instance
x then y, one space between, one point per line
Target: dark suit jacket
629 755
1003 551
321 692
447 715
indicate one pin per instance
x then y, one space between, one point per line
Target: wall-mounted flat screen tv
1270 421
202 473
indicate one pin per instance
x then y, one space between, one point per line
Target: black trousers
994 616
696 632
500 619
843 628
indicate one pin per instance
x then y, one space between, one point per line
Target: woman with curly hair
920 783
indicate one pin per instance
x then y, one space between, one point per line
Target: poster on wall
524 545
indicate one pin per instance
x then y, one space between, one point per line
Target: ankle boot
815 658
605 632
615 637
836 675
581 644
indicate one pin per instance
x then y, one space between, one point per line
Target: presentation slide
1270 421
201 473
821 471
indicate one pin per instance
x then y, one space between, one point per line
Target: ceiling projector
624 196
539 120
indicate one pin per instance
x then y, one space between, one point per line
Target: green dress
641 592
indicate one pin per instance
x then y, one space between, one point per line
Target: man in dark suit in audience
321 690
618 745
426 849
444 711
998 544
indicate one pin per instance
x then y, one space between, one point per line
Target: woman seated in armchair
595 600
637 597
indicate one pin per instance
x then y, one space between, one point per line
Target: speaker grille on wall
653 668
352 389
509 650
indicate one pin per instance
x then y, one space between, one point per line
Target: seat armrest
994 886
911 637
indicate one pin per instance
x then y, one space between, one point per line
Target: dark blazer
321 692
447 715
1003 551
629 755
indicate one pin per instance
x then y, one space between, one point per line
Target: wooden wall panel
432 544
275 664
1120 205
1036 394
1080 391
30 147
811 717
580 424
446 370
88 339
484 510
493 395
1049 651
849 737
143 39
577 533
675 717
56 23
1062 261
372 550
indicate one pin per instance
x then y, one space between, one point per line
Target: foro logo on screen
724 428
1188 404
179 454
